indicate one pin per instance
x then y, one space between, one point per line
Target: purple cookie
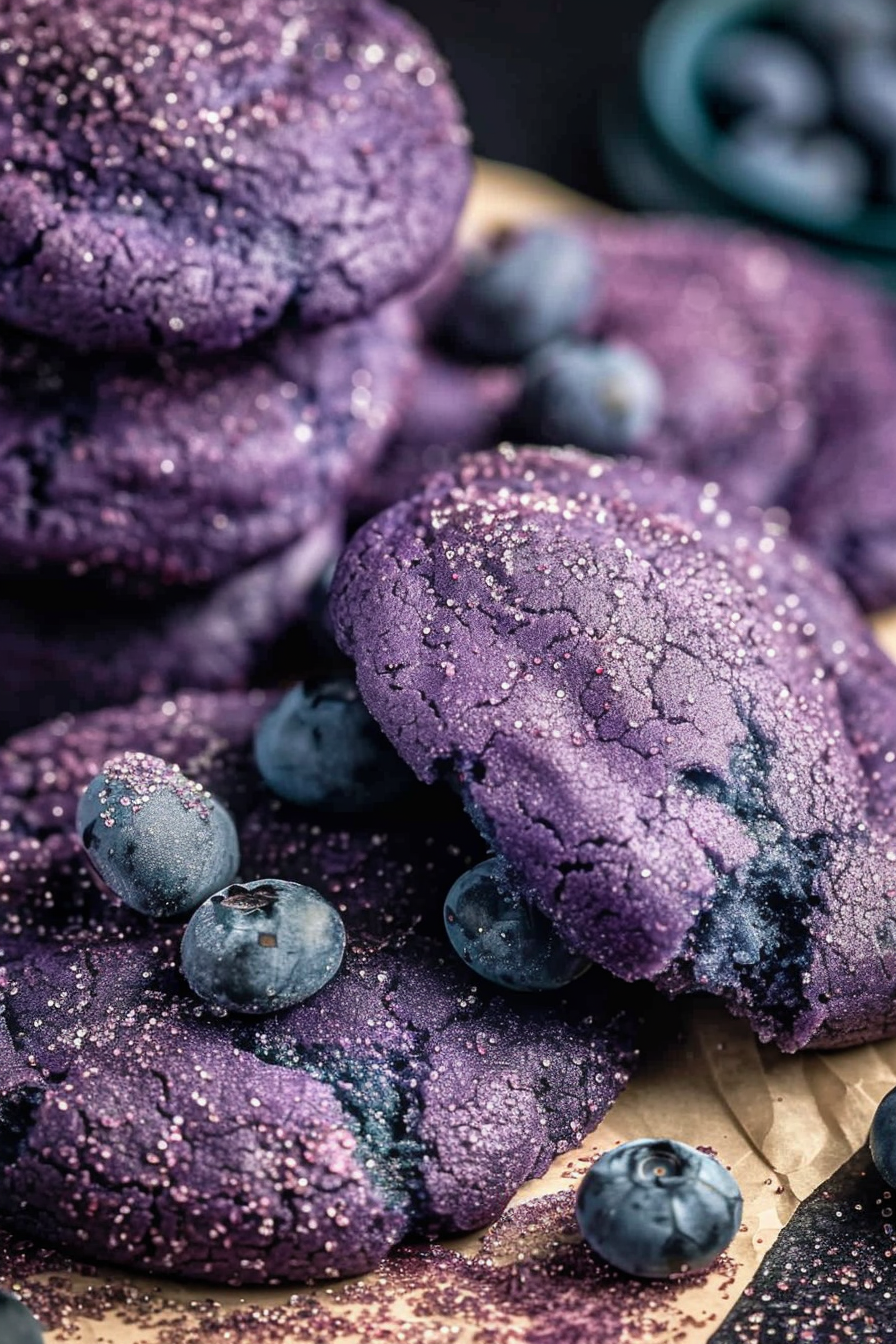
180 473
779 373
405 1098
669 719
453 410
781 381
736 323
177 175
843 503
69 647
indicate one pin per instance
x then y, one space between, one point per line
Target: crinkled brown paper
782 1123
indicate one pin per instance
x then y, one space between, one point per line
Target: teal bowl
673 58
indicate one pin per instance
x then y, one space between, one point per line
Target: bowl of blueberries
785 110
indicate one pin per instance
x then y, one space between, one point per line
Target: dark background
535 75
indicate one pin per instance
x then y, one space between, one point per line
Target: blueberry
826 176
321 748
866 84
883 1139
160 841
17 1325
835 24
502 937
655 1207
606 398
766 73
262 947
531 288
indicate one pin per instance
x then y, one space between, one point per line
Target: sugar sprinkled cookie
177 473
661 712
179 175
140 1127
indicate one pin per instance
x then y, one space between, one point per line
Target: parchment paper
782 1123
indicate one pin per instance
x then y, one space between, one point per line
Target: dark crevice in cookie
18 1110
755 938
378 1095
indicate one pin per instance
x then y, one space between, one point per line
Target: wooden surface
782 1123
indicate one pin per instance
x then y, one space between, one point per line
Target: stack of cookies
205 215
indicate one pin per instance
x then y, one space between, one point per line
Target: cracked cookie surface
405 1098
180 472
179 175
668 718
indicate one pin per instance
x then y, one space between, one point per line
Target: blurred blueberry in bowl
751 71
866 87
833 25
824 176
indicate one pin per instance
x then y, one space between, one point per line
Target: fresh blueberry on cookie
883 1138
530 289
17 1325
606 398
655 1207
320 748
262 947
502 936
161 842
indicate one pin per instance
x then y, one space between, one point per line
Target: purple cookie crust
666 716
177 175
182 472
780 378
453 410
843 504
406 1097
69 647
736 324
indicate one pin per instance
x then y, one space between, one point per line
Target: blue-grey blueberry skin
166 855
605 398
750 71
17 1325
656 1207
504 938
321 748
832 25
866 85
883 1139
262 946
530 289
826 176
